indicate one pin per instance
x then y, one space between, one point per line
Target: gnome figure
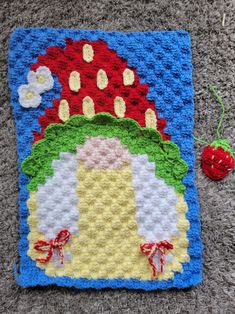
106 199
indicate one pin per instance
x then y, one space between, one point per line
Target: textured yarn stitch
64 138
216 161
161 62
102 87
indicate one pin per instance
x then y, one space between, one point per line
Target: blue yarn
163 61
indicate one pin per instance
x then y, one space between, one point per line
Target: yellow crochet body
108 245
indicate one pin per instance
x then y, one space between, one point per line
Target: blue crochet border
172 49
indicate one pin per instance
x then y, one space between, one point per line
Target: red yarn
62 62
151 249
49 246
216 163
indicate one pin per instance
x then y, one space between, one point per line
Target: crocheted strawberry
217 158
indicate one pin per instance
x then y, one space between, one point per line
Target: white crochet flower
29 96
41 79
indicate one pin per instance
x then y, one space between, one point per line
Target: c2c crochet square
104 124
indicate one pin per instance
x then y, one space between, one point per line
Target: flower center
41 79
29 95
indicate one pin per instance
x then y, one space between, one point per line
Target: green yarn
200 140
219 142
215 93
224 144
65 137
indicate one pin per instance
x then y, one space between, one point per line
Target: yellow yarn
88 53
63 112
128 77
119 107
74 81
88 107
107 245
150 119
102 79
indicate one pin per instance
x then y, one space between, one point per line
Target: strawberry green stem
215 93
224 144
201 140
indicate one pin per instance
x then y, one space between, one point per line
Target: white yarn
29 96
156 202
41 79
57 199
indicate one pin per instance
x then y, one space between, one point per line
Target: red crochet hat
94 79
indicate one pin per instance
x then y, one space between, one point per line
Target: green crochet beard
60 138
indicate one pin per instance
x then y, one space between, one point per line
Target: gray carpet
213 58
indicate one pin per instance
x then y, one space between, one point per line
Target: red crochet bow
49 246
151 250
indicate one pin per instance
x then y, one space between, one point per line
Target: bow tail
48 256
61 254
162 258
153 248
49 246
152 264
